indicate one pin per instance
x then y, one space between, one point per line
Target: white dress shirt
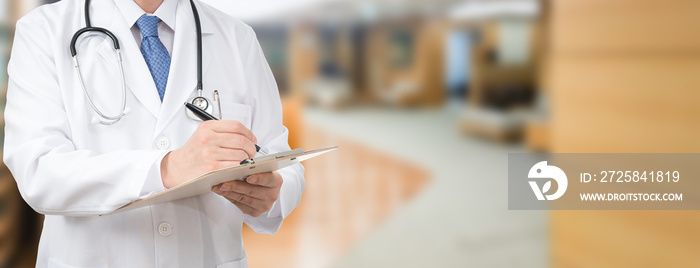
166 12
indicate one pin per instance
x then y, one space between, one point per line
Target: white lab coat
72 170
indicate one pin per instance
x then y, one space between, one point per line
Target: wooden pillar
623 77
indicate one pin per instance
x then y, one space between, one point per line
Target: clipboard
204 183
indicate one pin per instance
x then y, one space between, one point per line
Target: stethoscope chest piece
202 103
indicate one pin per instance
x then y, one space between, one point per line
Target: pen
218 102
206 117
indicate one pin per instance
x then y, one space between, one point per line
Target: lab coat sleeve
272 135
52 175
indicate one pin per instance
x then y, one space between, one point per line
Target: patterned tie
154 52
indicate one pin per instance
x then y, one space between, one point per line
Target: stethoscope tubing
198 26
74 40
110 120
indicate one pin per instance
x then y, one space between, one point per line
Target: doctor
72 168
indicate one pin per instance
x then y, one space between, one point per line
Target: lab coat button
165 229
163 143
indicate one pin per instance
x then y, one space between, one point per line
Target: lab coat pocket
242 263
107 51
236 111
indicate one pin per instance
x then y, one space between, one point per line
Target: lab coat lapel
138 76
182 80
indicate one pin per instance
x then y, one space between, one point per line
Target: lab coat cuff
153 183
263 224
290 194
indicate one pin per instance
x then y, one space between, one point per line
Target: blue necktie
154 52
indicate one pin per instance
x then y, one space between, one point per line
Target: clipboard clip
247 161
263 158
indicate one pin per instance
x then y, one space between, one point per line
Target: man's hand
254 196
214 145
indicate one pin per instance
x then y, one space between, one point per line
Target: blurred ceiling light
482 10
261 10
369 11
327 11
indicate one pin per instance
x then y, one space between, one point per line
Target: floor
340 205
406 189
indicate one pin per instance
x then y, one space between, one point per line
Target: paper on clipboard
204 183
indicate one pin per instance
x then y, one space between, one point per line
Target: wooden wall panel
625 26
624 77
632 105
615 239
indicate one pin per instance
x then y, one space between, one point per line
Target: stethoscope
104 119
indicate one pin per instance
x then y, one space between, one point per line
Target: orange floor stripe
348 193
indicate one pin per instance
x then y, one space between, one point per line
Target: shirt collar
132 11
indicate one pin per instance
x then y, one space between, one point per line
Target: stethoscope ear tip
95 120
127 111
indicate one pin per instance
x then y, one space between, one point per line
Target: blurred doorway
458 63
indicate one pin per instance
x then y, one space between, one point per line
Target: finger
214 165
254 203
232 126
229 155
236 141
255 191
263 179
245 188
227 164
245 208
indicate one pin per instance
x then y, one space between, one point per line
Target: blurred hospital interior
426 98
